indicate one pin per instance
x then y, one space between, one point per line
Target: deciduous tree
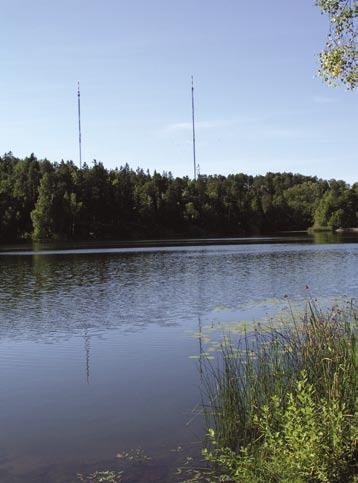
339 58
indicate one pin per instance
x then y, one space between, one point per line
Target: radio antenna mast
193 118
79 124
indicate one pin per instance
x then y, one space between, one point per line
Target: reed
304 370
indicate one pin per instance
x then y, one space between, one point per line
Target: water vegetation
281 403
126 461
101 477
44 200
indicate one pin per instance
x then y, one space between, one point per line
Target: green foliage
282 402
45 200
339 59
337 208
307 439
299 441
303 199
41 216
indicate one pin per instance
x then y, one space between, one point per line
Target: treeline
44 200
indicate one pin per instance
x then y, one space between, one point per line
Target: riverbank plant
281 403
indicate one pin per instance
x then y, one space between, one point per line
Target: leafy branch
339 58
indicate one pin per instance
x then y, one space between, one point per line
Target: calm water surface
96 343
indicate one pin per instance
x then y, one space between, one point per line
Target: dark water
95 344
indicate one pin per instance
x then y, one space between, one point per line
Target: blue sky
259 105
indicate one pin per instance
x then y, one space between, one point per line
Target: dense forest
44 200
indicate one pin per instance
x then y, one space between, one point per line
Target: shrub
282 402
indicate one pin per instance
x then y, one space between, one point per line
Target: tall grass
281 403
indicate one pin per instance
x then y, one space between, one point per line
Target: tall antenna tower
79 123
193 118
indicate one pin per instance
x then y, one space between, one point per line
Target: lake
97 346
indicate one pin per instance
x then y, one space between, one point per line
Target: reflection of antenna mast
198 409
79 123
193 118
87 352
200 347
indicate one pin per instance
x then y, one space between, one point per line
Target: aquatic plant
281 403
101 477
134 455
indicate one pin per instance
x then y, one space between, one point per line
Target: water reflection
140 245
95 346
54 296
200 339
87 346
331 237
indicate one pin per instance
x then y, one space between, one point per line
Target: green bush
282 403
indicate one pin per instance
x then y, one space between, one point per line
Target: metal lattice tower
79 123
193 119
